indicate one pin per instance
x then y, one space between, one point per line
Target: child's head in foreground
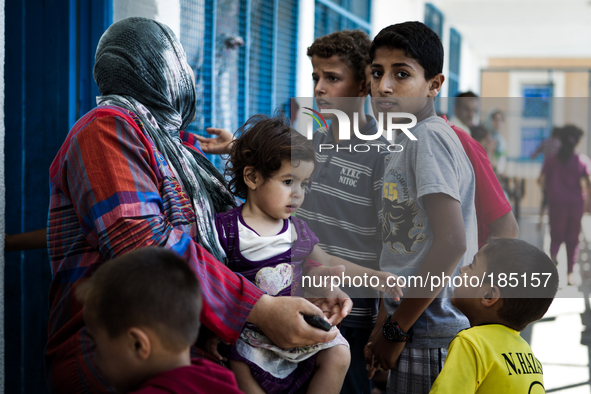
270 165
340 60
142 312
407 61
525 283
340 63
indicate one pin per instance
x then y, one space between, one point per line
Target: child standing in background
549 147
562 175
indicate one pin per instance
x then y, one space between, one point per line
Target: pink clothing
565 202
550 147
202 377
563 180
565 226
489 199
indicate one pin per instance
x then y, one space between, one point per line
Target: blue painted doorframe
48 72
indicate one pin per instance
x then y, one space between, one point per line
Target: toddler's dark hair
152 287
352 46
524 303
263 143
417 40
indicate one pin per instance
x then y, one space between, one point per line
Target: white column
2 194
304 84
164 11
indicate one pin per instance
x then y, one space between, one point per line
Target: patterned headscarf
141 66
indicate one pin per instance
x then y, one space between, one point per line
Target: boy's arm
216 146
448 248
26 241
377 331
386 284
503 227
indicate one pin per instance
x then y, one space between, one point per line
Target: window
455 44
243 54
536 114
331 16
434 19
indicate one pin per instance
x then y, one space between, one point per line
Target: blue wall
48 64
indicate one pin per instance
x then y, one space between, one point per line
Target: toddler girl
270 166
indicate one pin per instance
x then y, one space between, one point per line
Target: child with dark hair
270 166
549 147
429 221
509 285
343 207
350 46
142 314
465 110
484 138
561 177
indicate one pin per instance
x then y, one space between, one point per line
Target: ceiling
522 28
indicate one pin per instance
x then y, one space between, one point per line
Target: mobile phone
318 322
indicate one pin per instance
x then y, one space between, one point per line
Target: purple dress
227 228
277 370
566 200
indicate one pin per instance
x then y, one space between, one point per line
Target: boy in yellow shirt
509 284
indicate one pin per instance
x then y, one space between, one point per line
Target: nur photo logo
392 124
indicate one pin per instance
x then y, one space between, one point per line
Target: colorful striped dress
112 192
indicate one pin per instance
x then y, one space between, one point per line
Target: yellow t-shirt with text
490 359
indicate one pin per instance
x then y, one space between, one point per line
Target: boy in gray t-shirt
429 221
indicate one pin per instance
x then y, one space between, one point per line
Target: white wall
388 12
470 65
164 11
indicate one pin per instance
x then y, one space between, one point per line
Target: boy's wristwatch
393 333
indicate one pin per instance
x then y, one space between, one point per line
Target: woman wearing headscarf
124 179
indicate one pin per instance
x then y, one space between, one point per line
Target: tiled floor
556 339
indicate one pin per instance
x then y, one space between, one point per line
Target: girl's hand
211 346
388 284
216 146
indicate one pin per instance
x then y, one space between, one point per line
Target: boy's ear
435 84
250 177
140 342
491 296
364 88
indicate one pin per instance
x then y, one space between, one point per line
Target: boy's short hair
417 40
525 302
263 143
352 46
150 287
